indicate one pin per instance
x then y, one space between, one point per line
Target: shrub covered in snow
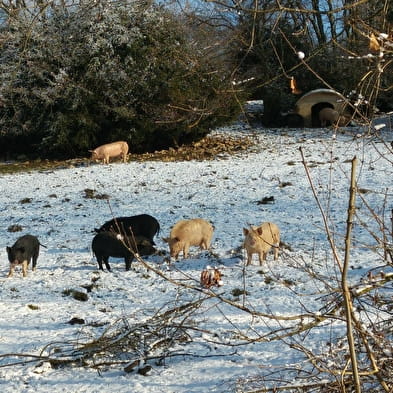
78 77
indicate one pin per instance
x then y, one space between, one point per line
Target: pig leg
249 258
262 257
34 265
204 244
24 268
185 250
208 242
276 251
99 261
105 259
128 261
11 272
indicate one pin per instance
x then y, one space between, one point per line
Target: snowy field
223 348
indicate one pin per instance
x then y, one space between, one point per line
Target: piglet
259 240
25 249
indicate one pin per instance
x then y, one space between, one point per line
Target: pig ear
245 231
8 249
165 239
259 231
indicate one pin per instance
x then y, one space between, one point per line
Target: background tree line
74 76
266 36
77 74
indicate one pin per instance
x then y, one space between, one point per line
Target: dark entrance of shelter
315 111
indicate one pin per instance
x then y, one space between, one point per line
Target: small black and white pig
25 249
108 244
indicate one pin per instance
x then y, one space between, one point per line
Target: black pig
108 244
140 225
25 249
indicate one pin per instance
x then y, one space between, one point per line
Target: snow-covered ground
225 348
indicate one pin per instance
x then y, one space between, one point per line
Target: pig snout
252 241
175 246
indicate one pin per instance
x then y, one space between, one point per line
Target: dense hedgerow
78 77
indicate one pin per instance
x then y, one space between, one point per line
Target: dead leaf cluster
207 148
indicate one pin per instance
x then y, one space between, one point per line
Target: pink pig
105 152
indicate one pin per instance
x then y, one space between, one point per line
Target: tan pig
110 150
186 233
259 240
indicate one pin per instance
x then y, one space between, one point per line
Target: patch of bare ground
208 148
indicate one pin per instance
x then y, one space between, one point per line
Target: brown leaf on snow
373 43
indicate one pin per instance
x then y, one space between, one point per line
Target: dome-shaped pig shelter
309 105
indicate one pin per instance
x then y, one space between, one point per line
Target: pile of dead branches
132 345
